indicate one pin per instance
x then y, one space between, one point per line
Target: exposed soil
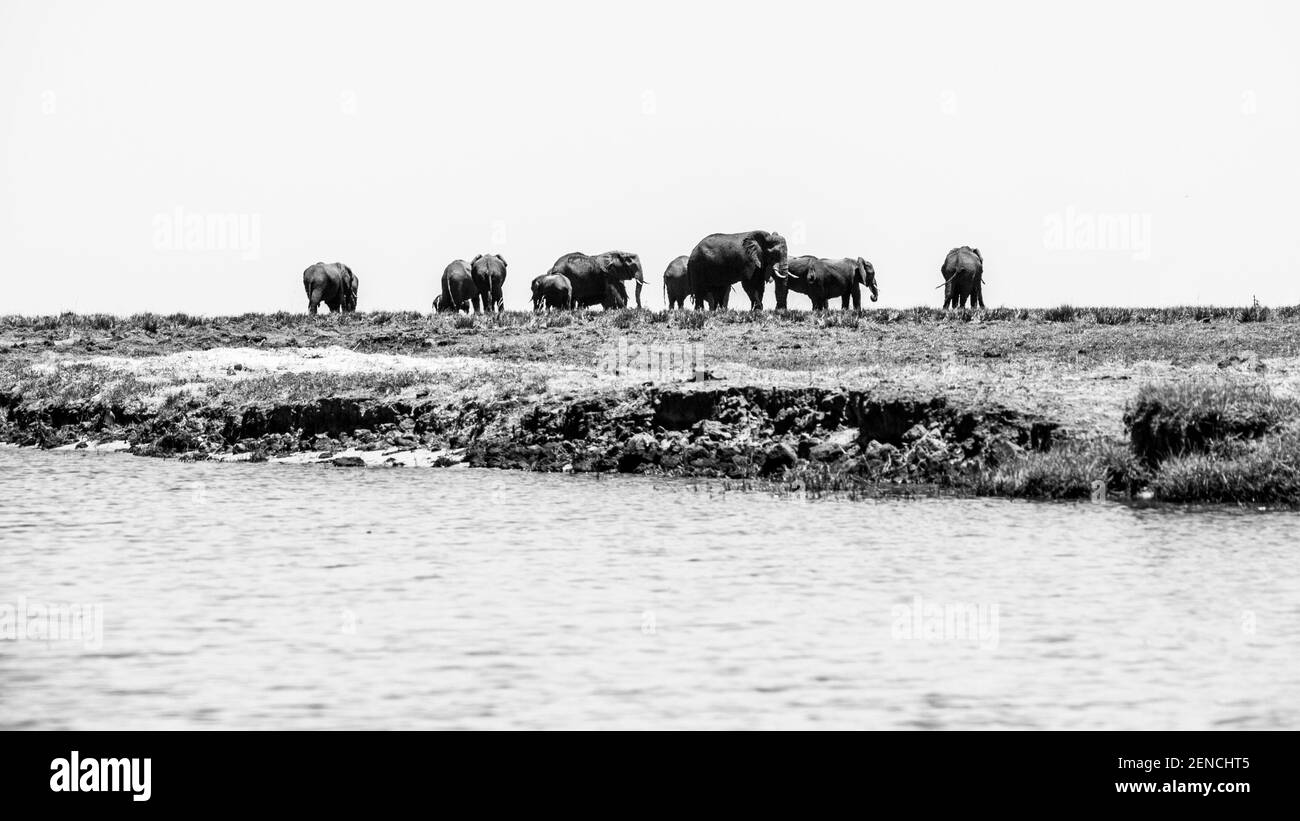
850 399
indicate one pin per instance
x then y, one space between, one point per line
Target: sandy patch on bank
245 363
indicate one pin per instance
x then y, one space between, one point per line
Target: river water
141 593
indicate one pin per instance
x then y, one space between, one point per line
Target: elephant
332 283
458 289
675 286
721 260
824 279
963 277
489 271
599 279
552 291
798 276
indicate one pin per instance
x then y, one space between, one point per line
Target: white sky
396 137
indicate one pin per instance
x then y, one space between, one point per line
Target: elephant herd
707 276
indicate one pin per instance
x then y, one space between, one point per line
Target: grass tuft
1176 419
1268 472
1070 471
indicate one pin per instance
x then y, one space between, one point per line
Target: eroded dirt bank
823 403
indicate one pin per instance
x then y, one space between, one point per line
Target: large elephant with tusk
332 283
598 280
721 260
822 280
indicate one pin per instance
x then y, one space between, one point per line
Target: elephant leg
856 293
844 303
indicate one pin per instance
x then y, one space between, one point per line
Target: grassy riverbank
1183 404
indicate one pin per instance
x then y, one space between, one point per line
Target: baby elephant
552 291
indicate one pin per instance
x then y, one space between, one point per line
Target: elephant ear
860 273
753 248
503 260
633 264
476 259
610 265
977 254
